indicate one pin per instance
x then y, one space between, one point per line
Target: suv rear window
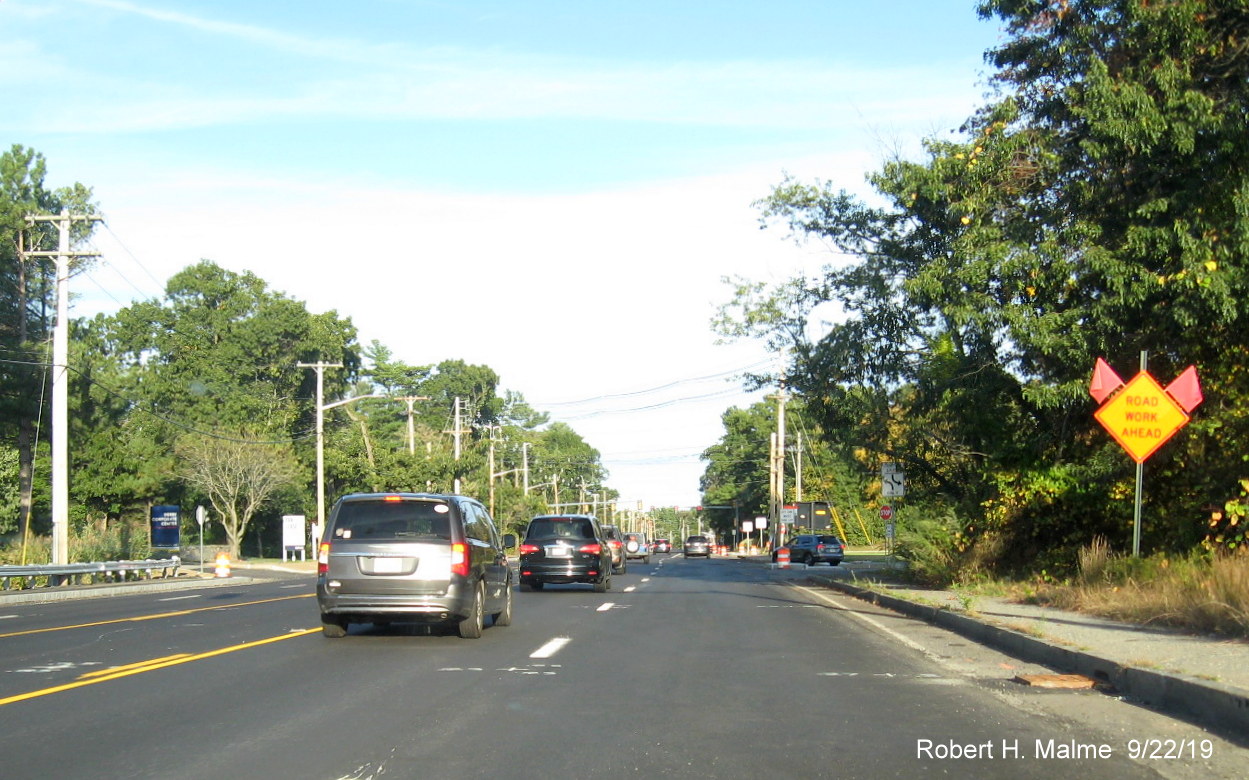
560 528
829 540
389 520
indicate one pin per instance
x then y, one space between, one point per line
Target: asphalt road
686 669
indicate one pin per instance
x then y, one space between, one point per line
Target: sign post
201 514
1142 416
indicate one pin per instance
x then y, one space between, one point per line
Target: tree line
1096 205
198 397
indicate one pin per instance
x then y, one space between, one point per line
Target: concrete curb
1219 707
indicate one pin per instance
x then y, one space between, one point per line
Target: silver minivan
413 557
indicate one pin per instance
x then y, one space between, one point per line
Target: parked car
561 549
697 545
662 546
815 548
619 563
404 557
636 546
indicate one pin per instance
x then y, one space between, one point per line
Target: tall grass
1199 592
119 542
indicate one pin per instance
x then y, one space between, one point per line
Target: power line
669 385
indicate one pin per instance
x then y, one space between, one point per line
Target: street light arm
327 407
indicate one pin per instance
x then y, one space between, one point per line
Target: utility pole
320 369
60 378
411 400
778 458
524 459
798 468
457 432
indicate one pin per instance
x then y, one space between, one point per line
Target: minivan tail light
459 559
591 549
323 558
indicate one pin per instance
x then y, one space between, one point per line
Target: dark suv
563 549
413 557
815 548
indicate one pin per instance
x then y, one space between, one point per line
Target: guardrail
53 575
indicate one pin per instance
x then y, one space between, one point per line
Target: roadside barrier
782 557
223 564
51 575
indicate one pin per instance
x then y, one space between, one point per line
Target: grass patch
1202 592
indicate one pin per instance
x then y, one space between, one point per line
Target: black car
815 548
563 549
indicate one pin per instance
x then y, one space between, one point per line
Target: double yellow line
117 672
162 615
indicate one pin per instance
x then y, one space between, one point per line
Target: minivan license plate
387 565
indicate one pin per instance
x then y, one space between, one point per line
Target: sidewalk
1204 679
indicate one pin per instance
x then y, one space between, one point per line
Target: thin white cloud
401 83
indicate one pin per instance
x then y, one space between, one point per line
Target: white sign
201 514
789 514
748 526
892 483
293 530
761 522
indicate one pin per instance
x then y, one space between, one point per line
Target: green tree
1090 209
217 355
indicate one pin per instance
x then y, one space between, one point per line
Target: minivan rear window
388 520
560 528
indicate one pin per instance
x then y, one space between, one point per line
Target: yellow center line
141 618
147 666
139 665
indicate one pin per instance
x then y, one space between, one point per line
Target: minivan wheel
504 616
333 627
472 626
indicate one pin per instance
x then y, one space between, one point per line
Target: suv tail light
459 559
323 558
593 548
526 549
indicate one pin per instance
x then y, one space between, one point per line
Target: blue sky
579 174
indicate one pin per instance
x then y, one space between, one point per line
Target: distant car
697 545
815 548
412 557
636 546
565 549
662 546
619 563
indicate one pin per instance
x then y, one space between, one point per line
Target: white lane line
179 598
646 579
551 648
605 606
631 588
8 617
871 622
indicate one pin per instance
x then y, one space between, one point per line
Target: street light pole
320 369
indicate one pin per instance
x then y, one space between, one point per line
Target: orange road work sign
1141 415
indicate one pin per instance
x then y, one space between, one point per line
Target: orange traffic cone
223 564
